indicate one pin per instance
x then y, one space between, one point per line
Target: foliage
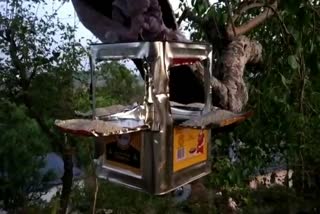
287 89
36 81
119 200
284 93
40 59
116 84
120 85
36 70
41 64
23 145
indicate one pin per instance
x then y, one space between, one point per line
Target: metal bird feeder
160 145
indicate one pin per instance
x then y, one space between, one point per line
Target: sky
66 14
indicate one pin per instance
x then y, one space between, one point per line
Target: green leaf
225 18
284 81
293 62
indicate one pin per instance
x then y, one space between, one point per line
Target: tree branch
229 84
182 17
187 13
280 20
244 8
231 21
16 62
67 179
251 24
206 3
33 74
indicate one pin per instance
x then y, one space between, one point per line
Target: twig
283 25
206 3
279 17
96 189
230 18
253 22
245 8
192 17
96 183
314 9
182 17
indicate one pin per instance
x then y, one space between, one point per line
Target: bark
228 83
67 180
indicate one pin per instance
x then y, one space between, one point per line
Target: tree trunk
66 179
227 83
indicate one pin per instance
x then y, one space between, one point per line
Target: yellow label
190 146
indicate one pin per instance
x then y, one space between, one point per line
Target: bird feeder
160 145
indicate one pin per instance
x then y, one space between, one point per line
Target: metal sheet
176 50
216 118
158 176
119 51
155 117
105 111
98 128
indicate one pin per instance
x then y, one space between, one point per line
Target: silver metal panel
93 86
120 51
207 83
157 175
187 50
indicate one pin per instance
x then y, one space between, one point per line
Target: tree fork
227 82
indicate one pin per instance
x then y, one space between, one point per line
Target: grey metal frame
157 169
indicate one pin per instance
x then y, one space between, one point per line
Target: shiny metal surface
157 113
99 128
157 167
159 56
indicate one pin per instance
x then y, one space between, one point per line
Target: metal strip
92 85
207 83
120 51
187 50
